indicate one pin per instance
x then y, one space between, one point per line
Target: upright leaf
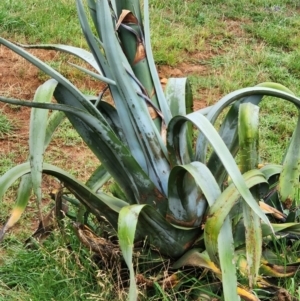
127 223
248 141
37 134
289 178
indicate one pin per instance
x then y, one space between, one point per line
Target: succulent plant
207 207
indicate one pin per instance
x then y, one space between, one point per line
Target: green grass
239 43
6 126
43 22
54 271
67 133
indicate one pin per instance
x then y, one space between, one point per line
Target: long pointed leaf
179 96
248 141
113 154
256 92
158 88
98 55
127 223
217 143
99 204
25 186
227 262
79 52
37 134
221 208
157 163
77 100
191 187
289 177
23 195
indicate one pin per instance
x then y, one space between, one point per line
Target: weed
54 271
6 127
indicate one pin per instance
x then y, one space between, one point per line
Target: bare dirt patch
20 79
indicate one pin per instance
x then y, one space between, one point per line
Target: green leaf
90 39
23 195
270 170
179 96
130 33
95 75
113 154
288 186
76 51
127 224
248 142
221 208
77 100
254 95
291 228
99 204
54 120
229 133
111 115
37 134
172 241
275 86
196 258
191 187
217 143
98 178
144 127
158 88
187 207
25 185
227 262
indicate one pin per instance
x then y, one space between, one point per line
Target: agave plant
209 209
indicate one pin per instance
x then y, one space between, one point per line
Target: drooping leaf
191 188
253 95
172 240
227 262
196 258
217 143
25 186
113 154
76 51
279 271
179 96
77 100
23 195
96 203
